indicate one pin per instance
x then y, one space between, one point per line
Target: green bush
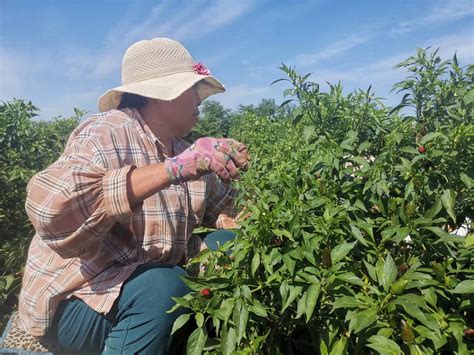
347 248
26 147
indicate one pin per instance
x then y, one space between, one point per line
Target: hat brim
165 88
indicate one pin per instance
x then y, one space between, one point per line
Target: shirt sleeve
222 209
75 202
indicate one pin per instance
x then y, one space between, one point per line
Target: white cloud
195 20
460 43
383 76
444 12
92 66
217 15
334 50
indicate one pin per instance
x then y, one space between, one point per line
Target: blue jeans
138 322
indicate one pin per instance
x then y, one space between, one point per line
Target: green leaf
409 189
240 318
229 340
196 341
225 310
360 320
258 309
346 302
358 235
360 205
467 180
308 132
255 263
289 263
197 284
282 233
9 281
199 319
430 296
295 291
340 251
180 302
429 137
371 271
339 347
351 278
448 198
466 286
434 210
301 305
469 97
389 272
284 289
413 310
469 240
384 345
180 321
312 295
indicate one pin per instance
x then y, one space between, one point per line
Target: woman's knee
156 281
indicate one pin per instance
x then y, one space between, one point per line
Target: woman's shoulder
102 124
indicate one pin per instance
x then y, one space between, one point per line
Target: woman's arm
145 181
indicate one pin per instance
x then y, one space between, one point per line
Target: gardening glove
219 155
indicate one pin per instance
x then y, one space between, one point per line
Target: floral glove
219 155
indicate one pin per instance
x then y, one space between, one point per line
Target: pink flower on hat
201 69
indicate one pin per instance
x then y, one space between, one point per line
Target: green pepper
438 268
408 335
450 281
398 287
322 186
450 261
393 205
327 261
410 208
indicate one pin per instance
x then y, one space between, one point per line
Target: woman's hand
222 156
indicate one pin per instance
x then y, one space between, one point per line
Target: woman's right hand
222 156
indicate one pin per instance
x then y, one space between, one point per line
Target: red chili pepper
469 334
206 293
421 149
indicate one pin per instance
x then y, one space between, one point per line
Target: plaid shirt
88 240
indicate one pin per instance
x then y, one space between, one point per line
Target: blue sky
65 54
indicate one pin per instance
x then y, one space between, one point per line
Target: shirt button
183 219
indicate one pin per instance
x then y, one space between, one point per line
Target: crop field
357 236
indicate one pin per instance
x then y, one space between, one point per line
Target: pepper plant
347 247
27 146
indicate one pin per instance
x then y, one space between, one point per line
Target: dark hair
132 101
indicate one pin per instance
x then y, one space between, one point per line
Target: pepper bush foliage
346 248
26 147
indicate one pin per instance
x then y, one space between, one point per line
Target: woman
114 214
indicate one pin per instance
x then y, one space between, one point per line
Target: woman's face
181 114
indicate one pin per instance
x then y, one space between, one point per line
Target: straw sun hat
160 68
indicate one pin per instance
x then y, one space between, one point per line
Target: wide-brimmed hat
162 69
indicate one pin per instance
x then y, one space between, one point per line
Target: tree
267 108
215 122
